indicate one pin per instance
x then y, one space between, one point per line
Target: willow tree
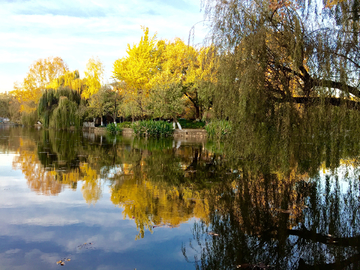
71 80
5 100
50 101
65 115
283 52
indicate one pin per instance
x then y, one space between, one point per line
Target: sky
77 30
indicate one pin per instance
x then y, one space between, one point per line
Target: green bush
151 128
126 124
113 128
191 124
218 129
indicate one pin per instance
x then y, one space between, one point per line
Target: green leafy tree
4 105
65 115
167 101
273 54
102 103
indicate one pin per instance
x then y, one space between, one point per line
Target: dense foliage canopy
274 52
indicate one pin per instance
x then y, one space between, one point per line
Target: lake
80 201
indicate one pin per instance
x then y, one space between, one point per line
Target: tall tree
4 105
40 74
71 79
138 68
103 103
94 76
273 52
201 76
187 67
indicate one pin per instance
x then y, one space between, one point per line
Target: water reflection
310 225
294 204
283 197
155 183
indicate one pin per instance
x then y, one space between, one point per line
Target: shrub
126 124
218 129
113 128
191 124
151 128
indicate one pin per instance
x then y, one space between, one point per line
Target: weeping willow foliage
65 115
290 139
29 119
50 100
218 129
284 53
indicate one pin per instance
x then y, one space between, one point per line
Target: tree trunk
175 122
197 111
195 102
178 124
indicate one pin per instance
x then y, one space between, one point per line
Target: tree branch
338 85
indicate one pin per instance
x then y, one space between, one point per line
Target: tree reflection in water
282 193
295 203
154 182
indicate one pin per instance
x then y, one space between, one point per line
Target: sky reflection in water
36 231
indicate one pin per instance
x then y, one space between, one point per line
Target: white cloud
78 30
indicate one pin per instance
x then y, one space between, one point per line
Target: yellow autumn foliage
41 73
154 205
93 75
91 188
140 64
152 65
70 79
331 3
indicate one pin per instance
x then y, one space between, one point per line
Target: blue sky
76 30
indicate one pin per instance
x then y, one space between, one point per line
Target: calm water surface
126 203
